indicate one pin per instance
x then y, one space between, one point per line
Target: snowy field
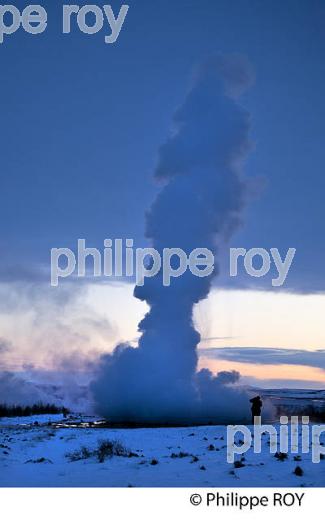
40 455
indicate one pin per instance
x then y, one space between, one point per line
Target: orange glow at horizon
289 372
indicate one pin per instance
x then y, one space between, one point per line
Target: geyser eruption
199 206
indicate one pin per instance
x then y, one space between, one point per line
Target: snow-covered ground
36 455
30 420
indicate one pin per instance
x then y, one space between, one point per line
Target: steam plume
199 206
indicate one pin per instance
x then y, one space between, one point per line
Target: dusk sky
82 123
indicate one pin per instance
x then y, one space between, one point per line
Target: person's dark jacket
256 406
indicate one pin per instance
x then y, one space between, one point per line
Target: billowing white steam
199 206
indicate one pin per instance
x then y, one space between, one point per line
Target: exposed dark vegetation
35 409
106 449
180 455
39 461
298 471
281 456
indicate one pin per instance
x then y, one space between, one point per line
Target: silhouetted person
256 407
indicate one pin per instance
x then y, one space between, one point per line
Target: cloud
268 356
62 388
5 345
54 324
14 389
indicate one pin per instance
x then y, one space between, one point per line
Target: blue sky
82 121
